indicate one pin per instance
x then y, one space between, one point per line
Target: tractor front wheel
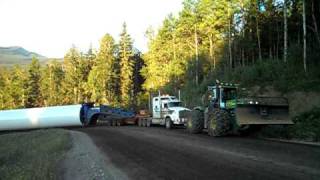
195 121
218 123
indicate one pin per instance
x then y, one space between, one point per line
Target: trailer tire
148 123
114 122
144 123
218 123
168 123
195 121
119 122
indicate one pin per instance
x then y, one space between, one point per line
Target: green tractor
224 113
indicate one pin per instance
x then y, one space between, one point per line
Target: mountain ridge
17 55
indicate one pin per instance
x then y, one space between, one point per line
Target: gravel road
157 153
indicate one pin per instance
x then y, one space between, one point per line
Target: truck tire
195 122
139 122
168 123
144 123
218 123
119 122
114 122
148 123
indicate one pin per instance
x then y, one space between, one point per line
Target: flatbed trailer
62 116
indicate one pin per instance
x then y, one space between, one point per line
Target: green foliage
306 127
51 83
101 82
110 76
33 94
126 67
76 75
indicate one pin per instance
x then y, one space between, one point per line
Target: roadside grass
32 155
306 127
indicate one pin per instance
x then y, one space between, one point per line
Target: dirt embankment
299 102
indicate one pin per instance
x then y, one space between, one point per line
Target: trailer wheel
114 122
195 121
144 123
218 123
148 123
139 122
168 123
119 122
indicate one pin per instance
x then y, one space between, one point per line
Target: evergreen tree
126 67
16 88
72 83
101 79
33 94
51 83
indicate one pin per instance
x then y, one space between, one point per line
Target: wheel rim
213 124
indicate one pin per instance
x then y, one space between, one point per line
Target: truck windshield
174 104
229 94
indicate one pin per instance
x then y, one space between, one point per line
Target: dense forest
251 42
107 76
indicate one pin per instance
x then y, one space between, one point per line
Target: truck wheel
114 122
139 122
148 123
168 123
118 122
218 123
144 123
195 121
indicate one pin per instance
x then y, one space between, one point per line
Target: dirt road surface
157 153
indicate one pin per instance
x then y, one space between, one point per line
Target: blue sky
50 27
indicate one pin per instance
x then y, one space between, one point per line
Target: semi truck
166 111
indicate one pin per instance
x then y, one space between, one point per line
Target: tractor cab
223 95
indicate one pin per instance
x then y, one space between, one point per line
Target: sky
51 27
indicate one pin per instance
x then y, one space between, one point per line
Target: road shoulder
85 161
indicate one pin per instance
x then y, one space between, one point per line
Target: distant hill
17 55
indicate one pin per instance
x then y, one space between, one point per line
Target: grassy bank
306 127
32 155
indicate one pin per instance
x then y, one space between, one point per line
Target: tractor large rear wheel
195 121
219 123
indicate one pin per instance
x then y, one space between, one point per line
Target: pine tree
73 76
101 79
16 89
33 94
51 83
126 67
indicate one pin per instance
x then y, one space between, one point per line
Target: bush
306 127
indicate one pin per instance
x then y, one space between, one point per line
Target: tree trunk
258 38
316 32
304 37
211 51
197 58
278 42
285 45
230 44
